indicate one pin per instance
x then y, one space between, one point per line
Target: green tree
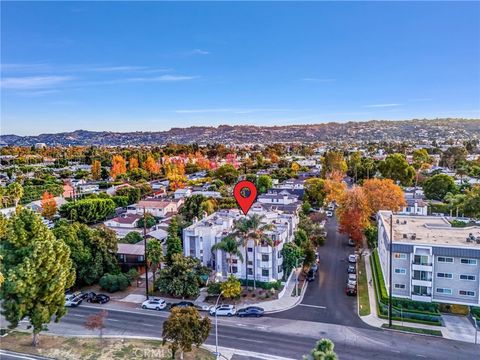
132 237
37 269
15 192
323 350
232 288
301 238
471 205
185 328
315 191
291 256
264 182
230 246
192 208
180 278
453 157
149 220
88 210
154 255
438 186
174 243
227 173
114 282
396 167
420 157
354 164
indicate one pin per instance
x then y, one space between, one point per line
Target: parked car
314 267
98 298
254 311
351 242
223 310
352 283
154 304
182 304
352 277
329 213
351 291
352 258
203 307
310 275
72 300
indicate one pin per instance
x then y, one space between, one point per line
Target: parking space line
313 306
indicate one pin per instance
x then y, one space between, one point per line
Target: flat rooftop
429 230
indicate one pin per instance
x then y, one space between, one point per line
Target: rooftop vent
414 236
405 236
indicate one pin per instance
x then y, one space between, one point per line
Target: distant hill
375 130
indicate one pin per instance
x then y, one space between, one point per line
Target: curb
299 300
414 333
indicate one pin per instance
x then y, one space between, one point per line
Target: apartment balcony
422 266
421 297
422 282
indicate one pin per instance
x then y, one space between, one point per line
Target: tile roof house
155 207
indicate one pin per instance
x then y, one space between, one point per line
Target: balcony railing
421 279
421 263
420 294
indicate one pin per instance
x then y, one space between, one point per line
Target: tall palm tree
253 229
229 245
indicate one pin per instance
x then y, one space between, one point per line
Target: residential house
131 256
182 193
156 207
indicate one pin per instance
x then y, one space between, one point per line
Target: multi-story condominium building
431 260
264 261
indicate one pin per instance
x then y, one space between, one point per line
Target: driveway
325 300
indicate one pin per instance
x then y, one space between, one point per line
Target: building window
234 269
234 261
399 286
421 260
121 257
279 254
469 261
467 277
445 275
400 271
250 262
445 291
445 259
265 272
466 293
249 249
140 258
280 268
264 257
250 271
400 256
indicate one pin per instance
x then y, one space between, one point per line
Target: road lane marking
313 306
113 320
423 356
77 315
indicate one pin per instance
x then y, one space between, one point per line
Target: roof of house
158 234
154 203
131 249
126 218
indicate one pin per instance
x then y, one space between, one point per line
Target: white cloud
199 52
381 105
162 78
33 82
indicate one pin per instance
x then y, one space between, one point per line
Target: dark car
351 269
98 298
254 311
311 275
351 291
182 304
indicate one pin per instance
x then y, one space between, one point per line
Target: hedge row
428 318
277 285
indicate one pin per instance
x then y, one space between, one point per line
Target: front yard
71 348
363 299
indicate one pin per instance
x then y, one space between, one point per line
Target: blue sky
152 66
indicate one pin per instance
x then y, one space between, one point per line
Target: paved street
325 300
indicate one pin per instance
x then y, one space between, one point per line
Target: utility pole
145 250
390 274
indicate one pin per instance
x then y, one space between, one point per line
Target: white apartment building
263 261
431 260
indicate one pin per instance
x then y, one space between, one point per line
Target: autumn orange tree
119 166
96 170
383 194
97 321
133 163
353 213
334 165
150 165
334 190
49 205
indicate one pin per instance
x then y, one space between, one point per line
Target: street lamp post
145 250
217 354
475 324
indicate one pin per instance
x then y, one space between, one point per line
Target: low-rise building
431 260
131 256
155 207
182 193
265 262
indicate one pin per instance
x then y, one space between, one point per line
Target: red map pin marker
245 193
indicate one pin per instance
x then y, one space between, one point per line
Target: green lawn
414 330
363 301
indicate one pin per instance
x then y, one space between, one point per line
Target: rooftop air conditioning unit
405 236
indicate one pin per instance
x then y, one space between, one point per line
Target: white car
352 277
223 310
72 300
351 283
329 214
352 258
154 304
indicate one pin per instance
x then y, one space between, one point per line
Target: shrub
214 288
277 285
114 282
132 275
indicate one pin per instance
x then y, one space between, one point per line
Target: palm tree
253 229
229 245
